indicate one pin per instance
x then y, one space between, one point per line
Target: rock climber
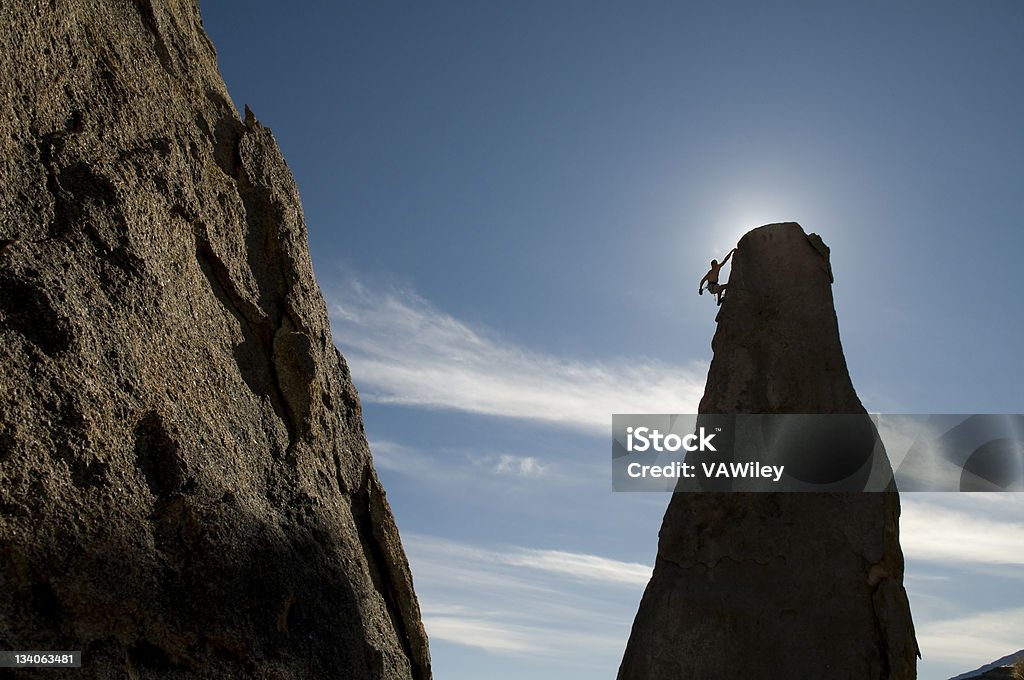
711 278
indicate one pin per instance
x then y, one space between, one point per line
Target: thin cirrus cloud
526 602
454 466
404 351
481 632
524 466
964 529
579 566
955 543
973 639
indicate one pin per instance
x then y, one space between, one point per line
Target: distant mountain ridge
997 670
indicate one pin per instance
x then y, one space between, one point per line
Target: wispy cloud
403 350
580 566
979 529
972 640
481 632
456 466
516 638
526 602
525 466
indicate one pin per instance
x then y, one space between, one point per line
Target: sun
740 211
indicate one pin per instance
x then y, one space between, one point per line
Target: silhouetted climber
711 278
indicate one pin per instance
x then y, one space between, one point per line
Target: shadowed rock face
185 486
776 585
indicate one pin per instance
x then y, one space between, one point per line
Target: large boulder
185 486
776 585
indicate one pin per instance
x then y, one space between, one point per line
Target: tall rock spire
776 585
185 486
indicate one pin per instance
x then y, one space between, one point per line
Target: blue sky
509 208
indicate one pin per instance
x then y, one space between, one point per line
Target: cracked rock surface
185 485
775 585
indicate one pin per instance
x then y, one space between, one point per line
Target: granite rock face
185 486
774 585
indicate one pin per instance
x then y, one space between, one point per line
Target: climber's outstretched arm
728 256
700 288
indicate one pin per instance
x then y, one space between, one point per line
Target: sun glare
739 213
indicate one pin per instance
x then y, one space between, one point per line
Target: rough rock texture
775 585
185 486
